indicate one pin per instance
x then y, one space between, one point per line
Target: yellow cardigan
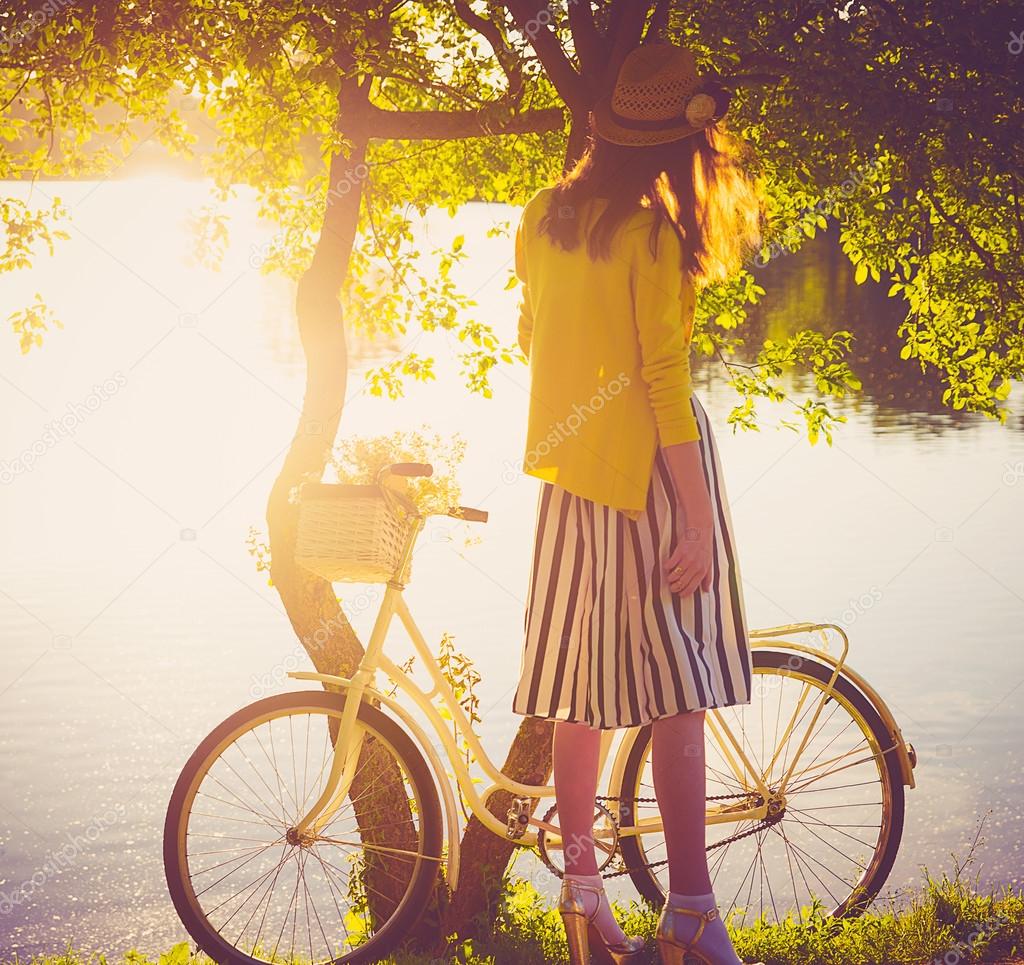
609 349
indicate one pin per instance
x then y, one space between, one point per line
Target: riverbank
947 923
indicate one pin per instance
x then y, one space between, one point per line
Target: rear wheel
837 835
249 889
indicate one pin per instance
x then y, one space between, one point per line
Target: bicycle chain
764 823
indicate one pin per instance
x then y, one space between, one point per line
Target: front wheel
835 839
250 889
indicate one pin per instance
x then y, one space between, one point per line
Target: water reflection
815 288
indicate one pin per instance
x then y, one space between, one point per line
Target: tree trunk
309 600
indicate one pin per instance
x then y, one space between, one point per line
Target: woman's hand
689 564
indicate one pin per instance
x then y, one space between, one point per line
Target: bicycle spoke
272 760
272 822
329 871
268 821
263 781
317 788
225 817
742 882
828 828
254 885
330 887
771 893
839 827
856 804
294 790
845 767
223 837
789 863
794 724
253 851
267 894
376 891
808 858
812 766
284 921
378 870
305 773
836 787
210 887
829 844
380 848
320 926
792 851
820 726
256 909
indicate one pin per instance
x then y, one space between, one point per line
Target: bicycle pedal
518 817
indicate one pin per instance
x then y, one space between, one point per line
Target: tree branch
760 59
537 29
659 22
591 46
750 80
493 34
1002 282
444 125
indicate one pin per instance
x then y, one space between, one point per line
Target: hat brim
603 123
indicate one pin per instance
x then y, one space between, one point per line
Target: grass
947 923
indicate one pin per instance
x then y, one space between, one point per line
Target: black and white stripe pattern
607 641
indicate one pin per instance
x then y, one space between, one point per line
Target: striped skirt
607 641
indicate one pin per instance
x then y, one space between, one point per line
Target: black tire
867 889
416 897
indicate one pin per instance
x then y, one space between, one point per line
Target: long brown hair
700 186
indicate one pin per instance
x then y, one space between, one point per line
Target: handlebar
414 469
468 514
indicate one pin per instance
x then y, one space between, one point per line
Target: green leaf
180 954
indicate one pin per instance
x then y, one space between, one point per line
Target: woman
635 612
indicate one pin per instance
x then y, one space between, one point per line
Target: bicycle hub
302 839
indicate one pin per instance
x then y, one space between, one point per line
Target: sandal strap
705 917
583 886
710 915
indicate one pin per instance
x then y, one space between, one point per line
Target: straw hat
659 97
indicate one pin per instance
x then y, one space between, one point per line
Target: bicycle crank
605 835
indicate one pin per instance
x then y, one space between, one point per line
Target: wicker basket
352 534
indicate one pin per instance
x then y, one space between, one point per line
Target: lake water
134 618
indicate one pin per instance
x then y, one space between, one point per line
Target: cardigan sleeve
525 333
664 303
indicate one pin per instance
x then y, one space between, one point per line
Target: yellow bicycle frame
362 686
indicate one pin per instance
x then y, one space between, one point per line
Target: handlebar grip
470 515
411 469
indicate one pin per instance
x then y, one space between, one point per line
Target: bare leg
575 753
680 785
576 750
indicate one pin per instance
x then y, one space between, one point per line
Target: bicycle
324 839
